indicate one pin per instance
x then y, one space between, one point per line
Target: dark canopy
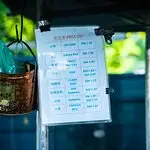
108 13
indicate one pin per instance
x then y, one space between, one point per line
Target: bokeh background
125 60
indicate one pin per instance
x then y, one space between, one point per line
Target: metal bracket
107 33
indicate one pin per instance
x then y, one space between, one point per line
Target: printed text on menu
72 73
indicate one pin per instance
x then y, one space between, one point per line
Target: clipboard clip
107 33
44 25
109 90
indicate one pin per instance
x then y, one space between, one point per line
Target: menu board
72 76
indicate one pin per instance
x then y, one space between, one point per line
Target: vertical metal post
42 131
42 134
147 89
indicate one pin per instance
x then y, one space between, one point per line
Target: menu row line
75 108
69 45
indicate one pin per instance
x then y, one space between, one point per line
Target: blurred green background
123 56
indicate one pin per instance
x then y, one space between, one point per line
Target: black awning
125 12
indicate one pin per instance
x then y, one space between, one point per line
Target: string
22 13
39 9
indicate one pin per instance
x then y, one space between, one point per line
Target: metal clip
44 25
109 90
107 33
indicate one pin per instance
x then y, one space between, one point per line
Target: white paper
72 76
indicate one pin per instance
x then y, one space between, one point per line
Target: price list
70 68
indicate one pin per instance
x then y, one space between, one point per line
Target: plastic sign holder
73 84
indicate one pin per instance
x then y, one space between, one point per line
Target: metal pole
147 89
42 134
42 131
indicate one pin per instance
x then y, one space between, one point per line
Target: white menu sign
72 76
